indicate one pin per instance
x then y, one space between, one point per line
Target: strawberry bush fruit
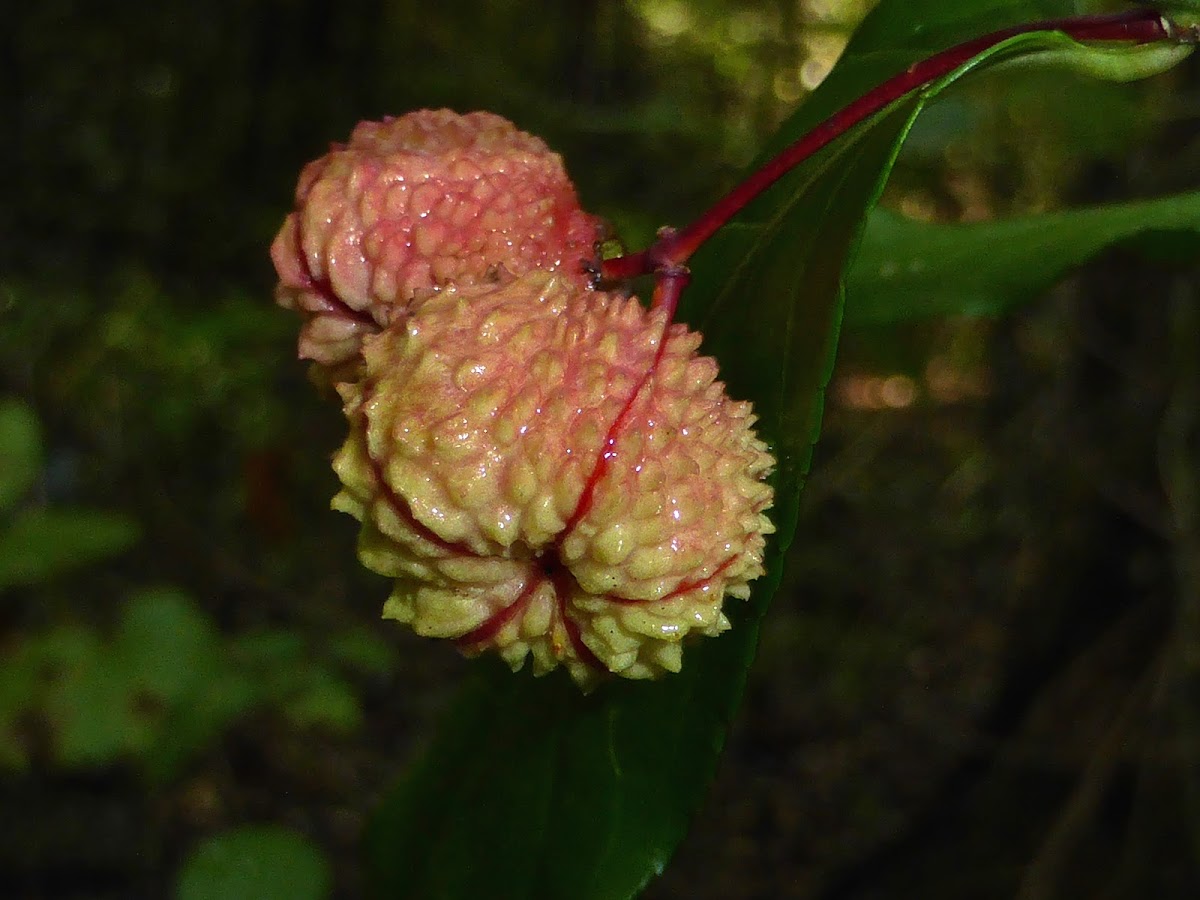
545 472
545 469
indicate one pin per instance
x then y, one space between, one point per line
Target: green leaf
1117 64
169 647
190 726
159 691
255 863
896 34
909 270
324 701
95 722
42 543
271 650
19 697
531 790
21 450
364 651
124 697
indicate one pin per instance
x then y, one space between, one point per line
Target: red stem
673 248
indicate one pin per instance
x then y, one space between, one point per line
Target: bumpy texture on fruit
412 204
543 476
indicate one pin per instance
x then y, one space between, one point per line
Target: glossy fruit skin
412 204
555 473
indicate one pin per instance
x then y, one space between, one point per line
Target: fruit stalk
669 254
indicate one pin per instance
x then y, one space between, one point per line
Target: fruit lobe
412 204
553 472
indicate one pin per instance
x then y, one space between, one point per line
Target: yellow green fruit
553 472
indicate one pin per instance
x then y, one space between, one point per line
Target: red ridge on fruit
546 470
489 413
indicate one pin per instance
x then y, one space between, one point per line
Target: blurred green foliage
38 543
266 863
912 270
186 644
166 683
164 686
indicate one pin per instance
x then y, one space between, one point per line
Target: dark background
980 677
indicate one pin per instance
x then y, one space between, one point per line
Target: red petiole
667 257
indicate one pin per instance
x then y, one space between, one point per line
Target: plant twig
668 255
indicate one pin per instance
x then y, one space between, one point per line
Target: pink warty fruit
544 477
412 204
